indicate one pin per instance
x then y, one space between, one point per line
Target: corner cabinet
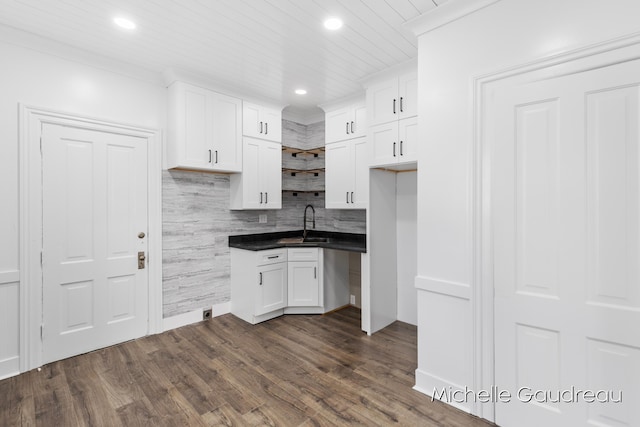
258 284
261 122
347 174
205 130
259 186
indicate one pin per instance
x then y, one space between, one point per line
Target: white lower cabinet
267 284
304 288
258 284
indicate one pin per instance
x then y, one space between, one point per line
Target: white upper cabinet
205 130
347 174
394 143
393 130
261 122
347 122
259 186
393 99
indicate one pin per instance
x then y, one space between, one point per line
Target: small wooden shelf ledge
295 151
303 171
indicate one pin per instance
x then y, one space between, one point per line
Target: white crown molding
444 14
26 40
393 71
172 75
344 101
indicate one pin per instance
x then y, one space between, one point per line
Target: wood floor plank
302 370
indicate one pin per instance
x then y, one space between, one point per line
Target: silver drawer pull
274 256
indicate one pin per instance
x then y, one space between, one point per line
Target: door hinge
41 259
41 332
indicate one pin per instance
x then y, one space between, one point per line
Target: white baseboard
194 316
9 367
427 384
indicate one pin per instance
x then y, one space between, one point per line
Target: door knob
141 235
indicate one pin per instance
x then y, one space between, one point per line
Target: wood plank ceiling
265 47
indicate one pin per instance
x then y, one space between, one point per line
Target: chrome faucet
304 233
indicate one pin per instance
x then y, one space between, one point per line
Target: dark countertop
329 239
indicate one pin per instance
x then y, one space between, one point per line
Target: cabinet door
272 120
408 92
360 162
251 120
337 125
227 133
338 175
408 137
251 166
383 103
272 288
193 134
303 284
359 127
384 144
271 174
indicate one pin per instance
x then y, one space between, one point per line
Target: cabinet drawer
272 256
302 254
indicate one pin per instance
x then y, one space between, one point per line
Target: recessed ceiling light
333 24
125 23
301 92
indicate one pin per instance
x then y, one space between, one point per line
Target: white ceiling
263 47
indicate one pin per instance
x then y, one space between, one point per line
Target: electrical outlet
262 218
352 299
207 314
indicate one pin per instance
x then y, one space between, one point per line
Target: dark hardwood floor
290 371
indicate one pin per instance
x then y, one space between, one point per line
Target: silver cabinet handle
260 279
347 128
209 156
216 156
260 127
401 148
347 193
261 197
315 275
266 198
273 257
352 197
401 110
266 128
394 106
394 149
351 127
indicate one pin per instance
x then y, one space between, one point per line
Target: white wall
44 80
406 226
505 34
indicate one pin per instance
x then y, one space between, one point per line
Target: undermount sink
291 240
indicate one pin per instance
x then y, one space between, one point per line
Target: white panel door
382 102
94 207
272 288
384 144
408 140
251 125
358 125
226 119
360 164
566 215
303 284
338 172
272 119
337 125
252 192
271 174
408 95
197 120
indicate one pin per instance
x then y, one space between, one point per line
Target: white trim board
195 316
31 121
